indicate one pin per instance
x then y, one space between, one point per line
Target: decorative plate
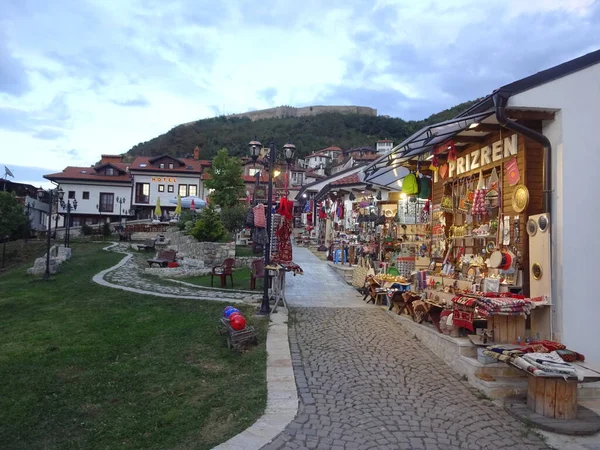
543 222
520 199
532 227
389 213
490 247
536 270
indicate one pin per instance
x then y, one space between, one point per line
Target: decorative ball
238 322
227 308
230 312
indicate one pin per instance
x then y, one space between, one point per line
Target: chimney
112 159
196 152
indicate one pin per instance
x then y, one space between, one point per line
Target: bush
106 231
185 217
234 218
189 226
86 230
208 227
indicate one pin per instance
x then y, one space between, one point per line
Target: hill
308 133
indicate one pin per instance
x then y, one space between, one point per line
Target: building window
183 190
161 165
192 190
170 188
161 188
170 165
86 195
109 171
142 192
75 222
71 195
107 202
253 171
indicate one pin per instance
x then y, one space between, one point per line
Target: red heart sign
444 170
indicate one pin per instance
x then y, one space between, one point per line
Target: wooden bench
149 244
163 258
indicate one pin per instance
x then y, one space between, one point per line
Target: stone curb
282 397
209 288
99 279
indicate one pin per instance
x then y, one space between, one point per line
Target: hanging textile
260 220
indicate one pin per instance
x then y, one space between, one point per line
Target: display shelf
473 237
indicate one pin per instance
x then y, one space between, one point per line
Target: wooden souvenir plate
520 199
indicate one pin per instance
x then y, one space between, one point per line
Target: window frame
85 195
195 186
161 165
102 204
161 188
185 187
170 188
71 195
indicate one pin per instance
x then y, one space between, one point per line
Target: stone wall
210 253
290 111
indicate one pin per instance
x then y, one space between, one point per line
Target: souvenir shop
479 265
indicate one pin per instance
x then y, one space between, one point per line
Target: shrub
106 231
234 218
185 217
86 230
208 227
189 226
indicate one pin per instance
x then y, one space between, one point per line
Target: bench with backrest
148 244
163 258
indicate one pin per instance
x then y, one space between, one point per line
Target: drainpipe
500 100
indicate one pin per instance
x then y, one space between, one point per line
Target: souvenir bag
470 193
462 199
260 220
410 186
250 219
424 188
479 208
447 203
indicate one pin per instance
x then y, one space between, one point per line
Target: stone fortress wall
290 111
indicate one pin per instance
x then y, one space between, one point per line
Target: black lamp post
59 195
289 149
120 201
28 230
68 206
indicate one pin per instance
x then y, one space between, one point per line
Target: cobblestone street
365 383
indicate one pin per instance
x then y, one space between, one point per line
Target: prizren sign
480 158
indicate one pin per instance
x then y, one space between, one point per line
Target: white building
162 179
384 146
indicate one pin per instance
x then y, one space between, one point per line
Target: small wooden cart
236 340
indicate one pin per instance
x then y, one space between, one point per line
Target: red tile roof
181 164
90 174
350 179
385 140
368 157
247 178
323 155
332 148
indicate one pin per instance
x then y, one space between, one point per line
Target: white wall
38 213
89 206
173 180
575 203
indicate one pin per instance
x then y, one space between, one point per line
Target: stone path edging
99 279
210 288
282 396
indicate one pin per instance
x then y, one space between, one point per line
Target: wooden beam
488 128
469 139
519 114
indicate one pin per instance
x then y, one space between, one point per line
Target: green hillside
307 133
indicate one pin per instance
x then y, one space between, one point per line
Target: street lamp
28 230
120 201
59 193
68 206
289 149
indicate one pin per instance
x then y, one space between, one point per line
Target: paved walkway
365 383
320 285
129 275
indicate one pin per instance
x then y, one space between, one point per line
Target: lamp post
28 230
289 149
68 206
59 193
120 201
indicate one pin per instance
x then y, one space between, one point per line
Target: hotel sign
164 180
480 158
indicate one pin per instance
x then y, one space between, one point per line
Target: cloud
13 77
27 174
71 71
134 102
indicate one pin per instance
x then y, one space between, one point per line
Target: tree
13 220
226 179
234 218
208 227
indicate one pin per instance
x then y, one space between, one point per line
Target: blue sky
82 78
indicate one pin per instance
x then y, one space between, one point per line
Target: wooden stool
552 397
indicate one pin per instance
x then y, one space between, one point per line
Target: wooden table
403 304
433 312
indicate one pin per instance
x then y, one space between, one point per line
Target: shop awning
389 169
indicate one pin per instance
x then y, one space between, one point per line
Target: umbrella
186 202
157 210
178 207
193 205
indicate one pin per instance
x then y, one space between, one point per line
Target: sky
83 78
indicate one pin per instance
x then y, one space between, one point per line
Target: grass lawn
241 280
84 366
